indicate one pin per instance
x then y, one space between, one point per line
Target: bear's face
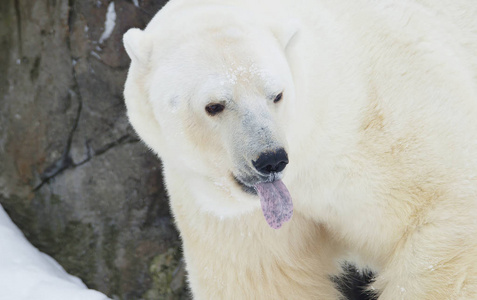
216 101
225 105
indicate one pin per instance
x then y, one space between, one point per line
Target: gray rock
73 175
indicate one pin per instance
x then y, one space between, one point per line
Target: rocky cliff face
73 175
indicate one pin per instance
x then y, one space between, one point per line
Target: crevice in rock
66 162
71 4
113 68
124 140
75 88
19 27
35 70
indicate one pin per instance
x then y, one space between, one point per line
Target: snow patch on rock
109 23
28 274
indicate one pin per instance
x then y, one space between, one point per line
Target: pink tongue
276 202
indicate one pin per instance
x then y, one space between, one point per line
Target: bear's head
211 92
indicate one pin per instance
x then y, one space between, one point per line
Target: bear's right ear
138 46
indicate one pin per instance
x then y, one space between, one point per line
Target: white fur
378 119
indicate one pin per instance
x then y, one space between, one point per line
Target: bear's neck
263 263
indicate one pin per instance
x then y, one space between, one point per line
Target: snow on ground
109 23
28 274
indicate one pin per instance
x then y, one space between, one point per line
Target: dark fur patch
353 283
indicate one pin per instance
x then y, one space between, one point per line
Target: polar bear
297 134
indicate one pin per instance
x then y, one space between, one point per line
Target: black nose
270 162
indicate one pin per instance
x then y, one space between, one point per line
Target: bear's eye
278 98
214 108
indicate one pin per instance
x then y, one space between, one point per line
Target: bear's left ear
286 31
138 46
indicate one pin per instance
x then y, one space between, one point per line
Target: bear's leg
432 262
